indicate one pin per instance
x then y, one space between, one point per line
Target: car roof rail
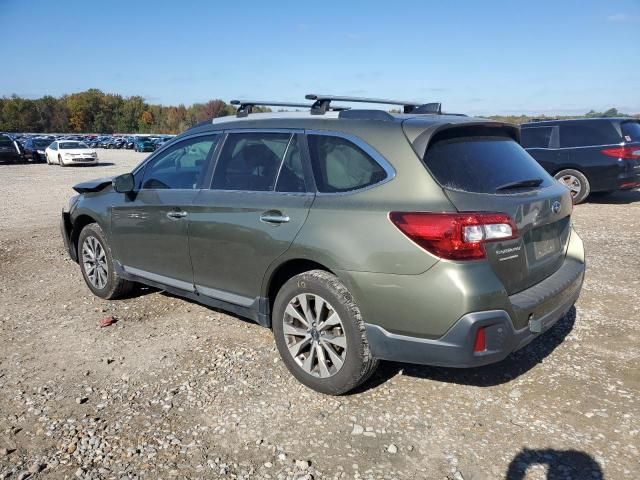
245 107
322 103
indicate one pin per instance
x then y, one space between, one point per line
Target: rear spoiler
421 137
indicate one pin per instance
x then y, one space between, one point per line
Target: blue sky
477 57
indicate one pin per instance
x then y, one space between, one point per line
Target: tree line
93 111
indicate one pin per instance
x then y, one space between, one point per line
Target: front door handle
174 215
274 217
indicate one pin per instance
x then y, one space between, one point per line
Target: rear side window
482 164
536 137
257 161
339 165
631 131
588 134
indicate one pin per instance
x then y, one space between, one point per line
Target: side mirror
124 183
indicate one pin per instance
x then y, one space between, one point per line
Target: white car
70 152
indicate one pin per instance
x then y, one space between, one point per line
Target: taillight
480 343
455 236
628 152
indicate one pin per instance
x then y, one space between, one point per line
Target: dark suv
355 235
590 156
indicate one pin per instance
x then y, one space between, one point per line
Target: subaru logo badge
555 207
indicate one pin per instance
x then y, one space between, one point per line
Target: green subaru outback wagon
356 235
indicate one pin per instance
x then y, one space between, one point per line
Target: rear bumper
545 304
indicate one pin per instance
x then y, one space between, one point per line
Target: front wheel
320 333
576 182
96 264
60 162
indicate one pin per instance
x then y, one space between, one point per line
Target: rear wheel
320 333
96 264
576 182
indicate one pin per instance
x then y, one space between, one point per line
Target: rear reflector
480 345
628 152
455 236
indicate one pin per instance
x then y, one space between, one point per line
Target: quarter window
252 162
339 165
536 137
180 167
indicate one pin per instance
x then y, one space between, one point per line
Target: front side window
180 167
339 165
251 162
536 137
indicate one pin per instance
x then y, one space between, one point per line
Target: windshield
483 164
72 145
41 143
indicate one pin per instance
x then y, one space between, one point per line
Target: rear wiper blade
532 182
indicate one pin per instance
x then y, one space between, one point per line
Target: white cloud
623 18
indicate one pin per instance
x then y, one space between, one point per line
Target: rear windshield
632 131
41 143
482 164
5 142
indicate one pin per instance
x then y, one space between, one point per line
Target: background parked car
70 152
9 150
34 149
143 144
590 156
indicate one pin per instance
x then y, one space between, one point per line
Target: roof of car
542 123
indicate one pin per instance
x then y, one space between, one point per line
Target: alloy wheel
572 183
314 335
94 260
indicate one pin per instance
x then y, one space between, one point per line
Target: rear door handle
274 218
174 215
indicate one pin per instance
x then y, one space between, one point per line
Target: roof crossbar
245 107
322 103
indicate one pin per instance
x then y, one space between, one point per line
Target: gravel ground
178 390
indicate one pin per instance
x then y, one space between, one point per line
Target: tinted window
5 142
536 137
481 164
588 134
340 165
250 161
180 167
72 145
632 131
41 143
291 175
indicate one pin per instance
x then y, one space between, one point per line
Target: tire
576 182
353 364
60 162
46 157
108 284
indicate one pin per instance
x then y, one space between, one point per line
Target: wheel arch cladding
79 223
287 270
